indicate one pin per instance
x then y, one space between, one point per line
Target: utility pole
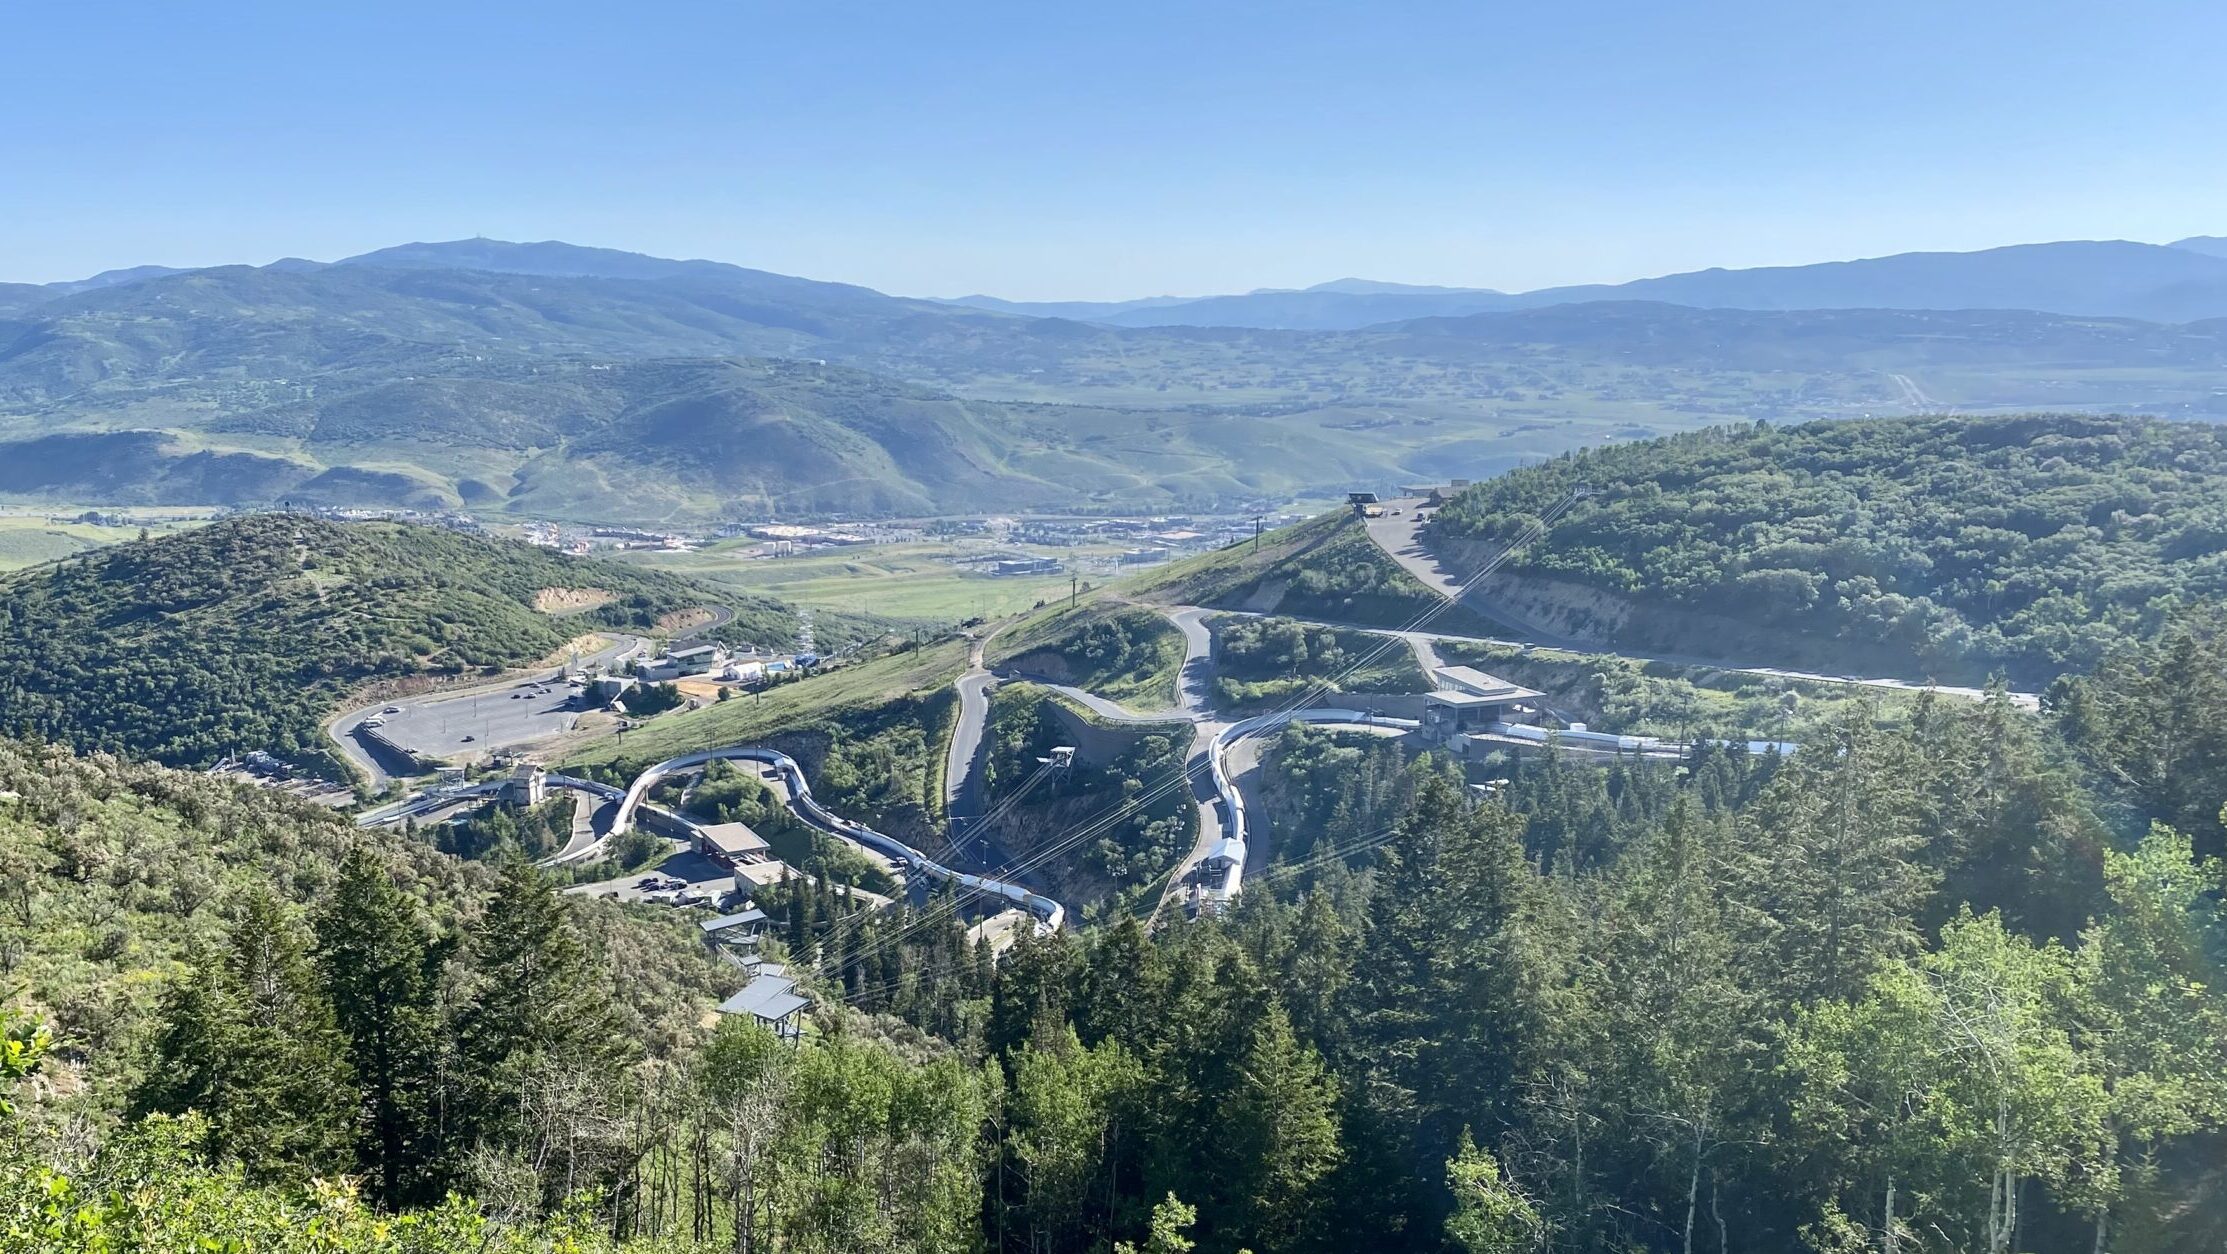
1074 589
1256 533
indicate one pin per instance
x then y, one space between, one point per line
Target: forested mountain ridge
514 377
2030 545
244 633
121 875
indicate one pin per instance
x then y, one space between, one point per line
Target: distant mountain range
564 381
2179 282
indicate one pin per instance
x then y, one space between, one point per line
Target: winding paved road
1397 536
962 791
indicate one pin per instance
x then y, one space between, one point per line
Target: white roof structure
735 840
768 998
1224 852
725 921
1472 682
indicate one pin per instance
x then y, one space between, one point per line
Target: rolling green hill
582 383
244 633
1324 568
2030 544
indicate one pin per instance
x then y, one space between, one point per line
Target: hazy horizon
1078 155
1135 296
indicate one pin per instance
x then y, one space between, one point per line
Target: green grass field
910 581
746 718
27 540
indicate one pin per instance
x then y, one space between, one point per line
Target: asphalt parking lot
696 870
483 722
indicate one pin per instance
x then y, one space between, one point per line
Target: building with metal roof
1224 854
772 1001
1468 700
732 843
748 920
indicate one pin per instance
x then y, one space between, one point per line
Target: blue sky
1108 150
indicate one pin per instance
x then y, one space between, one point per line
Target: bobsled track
1232 801
797 794
1048 913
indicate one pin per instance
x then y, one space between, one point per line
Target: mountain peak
553 258
2209 245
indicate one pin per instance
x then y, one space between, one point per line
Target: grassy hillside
242 634
1325 567
2030 544
27 540
1116 651
922 581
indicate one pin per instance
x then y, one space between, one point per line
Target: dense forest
245 633
2030 545
1916 990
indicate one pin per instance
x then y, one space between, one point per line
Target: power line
1067 841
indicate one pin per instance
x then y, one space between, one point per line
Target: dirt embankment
1587 616
578 646
683 620
571 600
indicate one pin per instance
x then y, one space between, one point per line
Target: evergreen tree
539 1043
2151 1013
1279 1132
1491 1216
379 973
248 1040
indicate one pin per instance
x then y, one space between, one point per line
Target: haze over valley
548 380
647 631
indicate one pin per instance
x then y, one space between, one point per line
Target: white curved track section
1233 801
1051 914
